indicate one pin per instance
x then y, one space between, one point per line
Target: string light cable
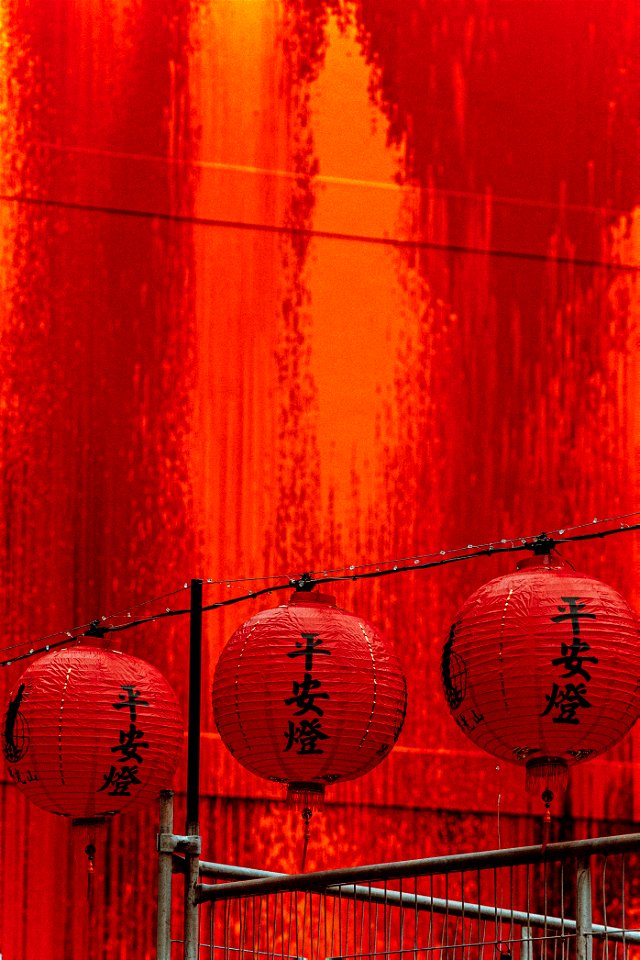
85 629
543 543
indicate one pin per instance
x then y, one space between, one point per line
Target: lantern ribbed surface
541 668
308 694
90 732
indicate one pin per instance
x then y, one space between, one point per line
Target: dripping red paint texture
291 286
97 318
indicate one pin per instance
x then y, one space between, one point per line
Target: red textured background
288 286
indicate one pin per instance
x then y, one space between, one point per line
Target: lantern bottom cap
547 774
305 796
92 821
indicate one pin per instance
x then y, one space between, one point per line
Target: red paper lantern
307 695
90 732
541 668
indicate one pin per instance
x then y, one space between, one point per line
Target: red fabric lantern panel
90 732
541 668
308 694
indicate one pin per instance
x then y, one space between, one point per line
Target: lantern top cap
539 561
313 596
98 635
87 641
542 547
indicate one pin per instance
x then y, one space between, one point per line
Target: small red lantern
541 668
90 732
307 695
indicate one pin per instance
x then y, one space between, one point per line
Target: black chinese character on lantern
573 612
308 650
469 723
454 672
120 780
306 694
566 701
130 701
573 660
304 698
306 734
131 741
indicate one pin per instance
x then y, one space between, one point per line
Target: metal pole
526 944
165 864
191 948
584 920
195 686
192 864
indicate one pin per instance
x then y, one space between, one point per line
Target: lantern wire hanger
541 543
91 832
550 773
307 813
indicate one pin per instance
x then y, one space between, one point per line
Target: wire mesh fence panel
574 901
616 906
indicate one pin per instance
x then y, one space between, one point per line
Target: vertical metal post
195 687
192 870
584 919
165 865
192 862
526 944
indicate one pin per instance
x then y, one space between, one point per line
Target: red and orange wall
290 286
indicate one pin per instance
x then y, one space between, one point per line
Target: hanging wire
492 544
92 628
616 266
542 542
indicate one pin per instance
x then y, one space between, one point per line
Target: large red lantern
308 694
541 668
90 732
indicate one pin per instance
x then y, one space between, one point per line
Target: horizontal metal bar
456 863
254 953
221 870
455 908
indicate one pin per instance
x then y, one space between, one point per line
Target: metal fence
568 901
